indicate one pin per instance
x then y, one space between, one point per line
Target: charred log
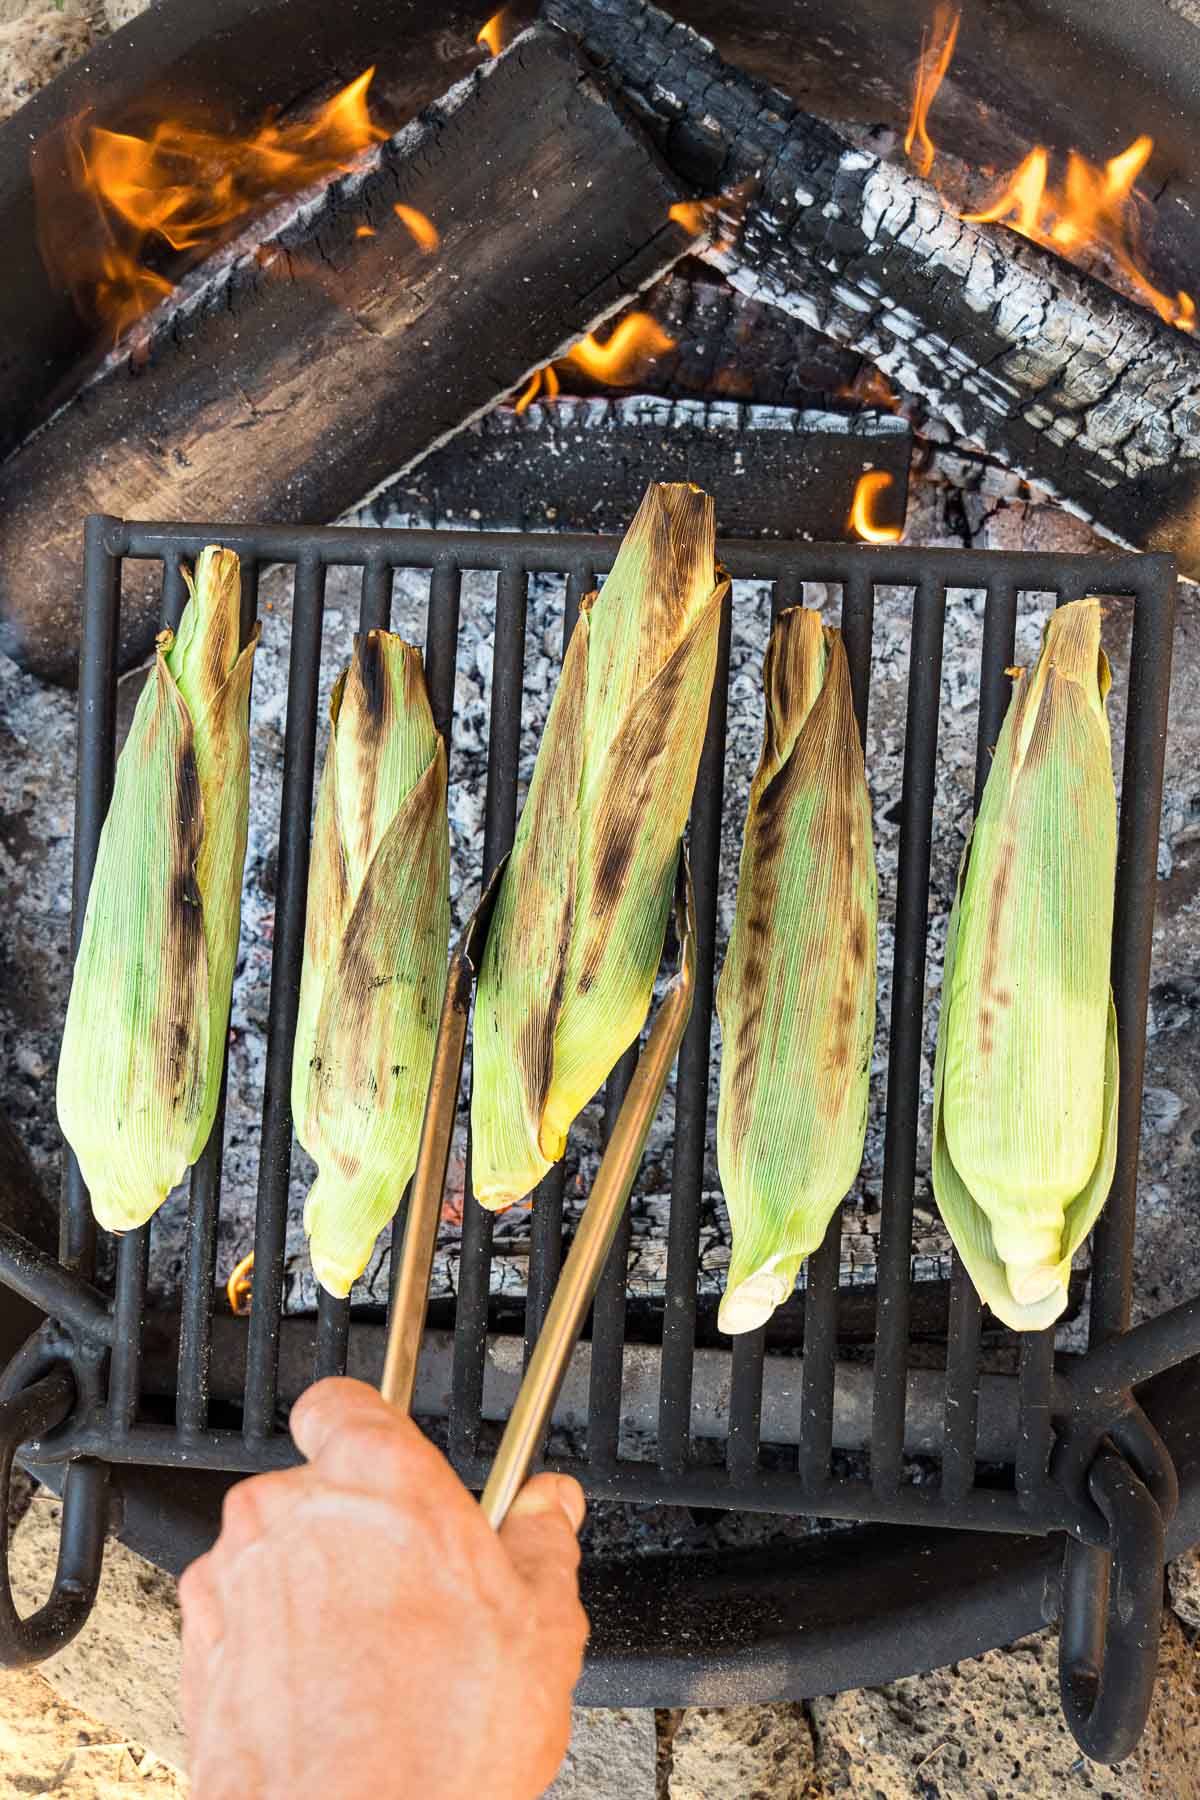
583 465
298 373
1067 382
227 63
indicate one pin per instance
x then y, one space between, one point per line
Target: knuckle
194 1584
240 1509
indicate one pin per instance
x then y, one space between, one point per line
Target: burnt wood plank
226 64
298 372
583 465
1068 382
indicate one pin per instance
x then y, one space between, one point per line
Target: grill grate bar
441 658
824 1265
204 1197
199 1278
333 1336
1033 1440
95 762
500 821
908 1006
129 1306
262 1357
691 1087
608 1308
375 602
966 1314
749 1348
745 1403
1147 704
546 1223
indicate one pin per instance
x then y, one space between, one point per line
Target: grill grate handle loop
26 1416
1112 1615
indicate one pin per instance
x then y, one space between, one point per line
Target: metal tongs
530 1419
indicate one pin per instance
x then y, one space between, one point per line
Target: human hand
359 1630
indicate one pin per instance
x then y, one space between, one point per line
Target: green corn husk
796 998
375 946
140 1070
1025 1080
577 935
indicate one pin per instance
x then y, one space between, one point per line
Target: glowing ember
424 230
494 35
1094 209
184 187
870 485
872 387
694 215
364 231
239 1286
937 47
636 341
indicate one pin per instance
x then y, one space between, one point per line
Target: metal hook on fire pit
576 1284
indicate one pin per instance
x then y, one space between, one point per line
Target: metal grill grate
1040 1496
742 1482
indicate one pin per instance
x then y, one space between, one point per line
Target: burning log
233 60
1067 382
297 371
583 464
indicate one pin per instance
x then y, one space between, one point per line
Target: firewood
306 365
582 465
1013 350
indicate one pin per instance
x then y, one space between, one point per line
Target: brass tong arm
576 1285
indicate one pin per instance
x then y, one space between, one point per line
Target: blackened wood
1086 75
727 345
224 63
304 373
1069 383
583 465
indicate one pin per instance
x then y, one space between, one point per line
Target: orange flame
618 363
937 48
184 187
1095 208
493 35
239 1286
364 231
873 483
422 228
544 381
636 340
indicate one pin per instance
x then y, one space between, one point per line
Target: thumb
539 1535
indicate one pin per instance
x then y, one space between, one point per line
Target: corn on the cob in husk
1025 1080
376 938
140 1070
796 998
577 934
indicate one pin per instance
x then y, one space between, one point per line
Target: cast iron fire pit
1090 1464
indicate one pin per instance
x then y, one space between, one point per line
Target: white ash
36 773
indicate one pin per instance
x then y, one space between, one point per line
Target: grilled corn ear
1025 1080
376 939
140 1069
576 939
796 998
